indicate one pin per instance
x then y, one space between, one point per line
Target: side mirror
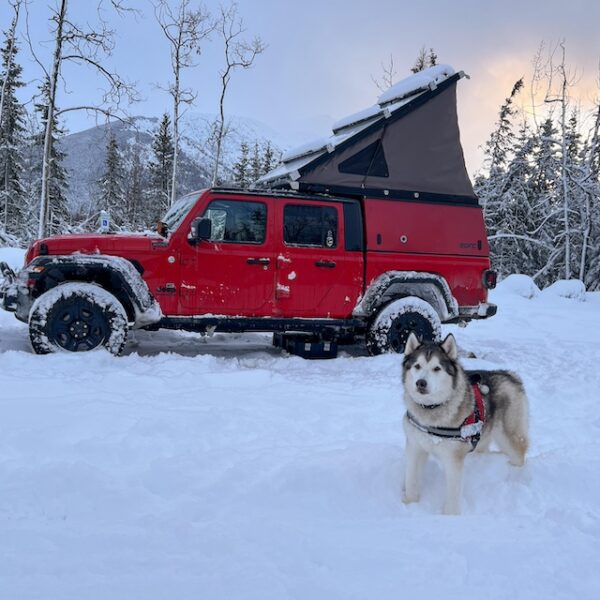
201 230
162 229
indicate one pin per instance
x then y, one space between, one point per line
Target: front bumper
14 294
8 288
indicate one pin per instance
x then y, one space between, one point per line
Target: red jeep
356 238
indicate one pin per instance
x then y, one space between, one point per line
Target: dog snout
421 385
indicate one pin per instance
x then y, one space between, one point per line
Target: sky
321 57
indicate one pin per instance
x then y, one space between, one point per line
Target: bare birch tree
184 28
388 75
239 54
84 46
562 98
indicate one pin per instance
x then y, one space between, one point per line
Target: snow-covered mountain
85 150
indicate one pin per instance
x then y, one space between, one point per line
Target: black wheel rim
77 325
403 325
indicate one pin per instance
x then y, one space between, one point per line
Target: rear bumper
486 310
480 311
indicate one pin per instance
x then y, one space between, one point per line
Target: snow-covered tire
77 317
391 327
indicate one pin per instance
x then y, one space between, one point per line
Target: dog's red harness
471 428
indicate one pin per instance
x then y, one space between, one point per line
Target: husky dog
450 412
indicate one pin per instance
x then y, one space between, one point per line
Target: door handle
325 264
258 261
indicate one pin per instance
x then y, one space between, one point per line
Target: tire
77 317
391 327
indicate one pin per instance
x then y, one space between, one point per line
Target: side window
306 225
237 221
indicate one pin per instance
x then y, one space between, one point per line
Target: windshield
177 213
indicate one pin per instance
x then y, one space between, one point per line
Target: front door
232 273
317 277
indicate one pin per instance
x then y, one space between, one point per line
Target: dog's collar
469 431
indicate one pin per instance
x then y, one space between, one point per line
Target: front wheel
77 317
391 327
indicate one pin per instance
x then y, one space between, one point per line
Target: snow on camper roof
326 144
408 144
422 81
361 116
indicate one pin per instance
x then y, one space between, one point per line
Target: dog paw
410 498
451 510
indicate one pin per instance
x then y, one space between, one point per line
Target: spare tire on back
392 325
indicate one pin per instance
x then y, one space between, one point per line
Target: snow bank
13 257
519 285
221 469
573 289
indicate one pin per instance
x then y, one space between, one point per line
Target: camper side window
305 225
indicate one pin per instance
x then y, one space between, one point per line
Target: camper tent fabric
411 148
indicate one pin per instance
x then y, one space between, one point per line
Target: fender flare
115 274
392 285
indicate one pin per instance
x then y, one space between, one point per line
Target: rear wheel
391 327
77 317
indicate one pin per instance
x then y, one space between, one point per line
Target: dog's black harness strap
445 432
469 431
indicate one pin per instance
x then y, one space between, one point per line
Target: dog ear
412 343
449 347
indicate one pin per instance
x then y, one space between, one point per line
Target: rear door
316 275
233 273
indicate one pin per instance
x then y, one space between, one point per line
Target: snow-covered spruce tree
589 184
270 158
31 177
160 170
241 167
111 196
512 248
12 130
546 191
492 187
10 45
497 151
425 59
135 181
56 215
256 164
575 173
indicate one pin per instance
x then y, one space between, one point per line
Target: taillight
489 279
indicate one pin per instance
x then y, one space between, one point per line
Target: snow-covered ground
221 469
